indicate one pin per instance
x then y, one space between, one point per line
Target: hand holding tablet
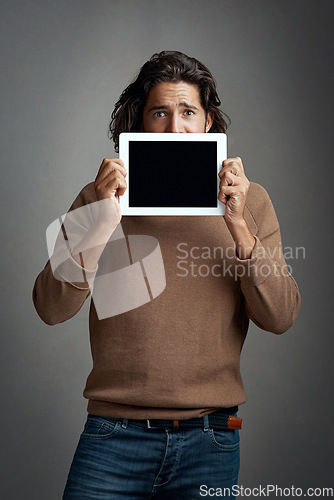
172 174
110 179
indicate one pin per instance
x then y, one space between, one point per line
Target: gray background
63 67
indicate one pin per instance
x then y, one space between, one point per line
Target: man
165 386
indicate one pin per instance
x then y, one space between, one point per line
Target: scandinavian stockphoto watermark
220 261
130 270
268 490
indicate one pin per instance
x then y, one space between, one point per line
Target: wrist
243 238
109 212
239 223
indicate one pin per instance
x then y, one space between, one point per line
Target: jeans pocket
100 428
225 440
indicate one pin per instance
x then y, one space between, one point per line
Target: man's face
175 107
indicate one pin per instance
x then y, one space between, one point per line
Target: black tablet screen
173 174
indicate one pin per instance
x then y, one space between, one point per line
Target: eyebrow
180 105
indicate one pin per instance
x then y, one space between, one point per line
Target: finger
237 160
109 177
114 175
121 191
117 184
114 160
232 165
229 179
108 167
108 186
108 161
232 192
222 197
104 161
233 168
225 191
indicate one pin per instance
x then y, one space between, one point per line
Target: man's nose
174 124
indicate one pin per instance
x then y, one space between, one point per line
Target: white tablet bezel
126 137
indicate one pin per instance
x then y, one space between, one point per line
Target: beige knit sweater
178 355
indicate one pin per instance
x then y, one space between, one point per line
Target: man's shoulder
257 198
259 209
256 191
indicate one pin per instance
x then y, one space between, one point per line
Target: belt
222 419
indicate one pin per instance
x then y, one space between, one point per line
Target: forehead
169 93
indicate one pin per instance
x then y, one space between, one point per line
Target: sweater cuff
259 266
71 272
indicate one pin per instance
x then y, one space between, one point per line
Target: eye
189 112
159 114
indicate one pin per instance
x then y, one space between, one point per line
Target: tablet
172 173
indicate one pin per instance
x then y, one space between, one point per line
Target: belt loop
206 423
125 423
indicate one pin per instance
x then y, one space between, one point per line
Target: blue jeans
120 459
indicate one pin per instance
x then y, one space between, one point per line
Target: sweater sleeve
271 293
61 289
56 301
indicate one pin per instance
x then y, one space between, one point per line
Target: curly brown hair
165 66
